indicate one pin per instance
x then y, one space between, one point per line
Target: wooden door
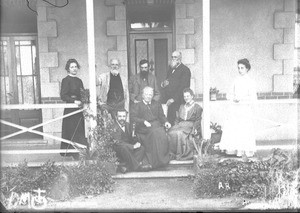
20 83
156 48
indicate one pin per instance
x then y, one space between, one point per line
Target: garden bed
19 184
273 180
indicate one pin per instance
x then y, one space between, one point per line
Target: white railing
31 129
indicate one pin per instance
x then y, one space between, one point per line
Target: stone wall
262 31
62 34
48 59
284 51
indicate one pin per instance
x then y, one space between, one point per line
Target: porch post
91 58
206 68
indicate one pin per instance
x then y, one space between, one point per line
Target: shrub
85 179
89 179
272 179
100 137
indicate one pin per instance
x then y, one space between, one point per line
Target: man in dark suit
139 81
178 78
128 150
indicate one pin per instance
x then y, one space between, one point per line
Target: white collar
146 102
122 127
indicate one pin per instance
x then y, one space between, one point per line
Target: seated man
187 122
128 151
150 123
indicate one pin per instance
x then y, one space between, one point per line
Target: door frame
15 114
150 54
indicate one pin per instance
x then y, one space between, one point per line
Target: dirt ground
146 195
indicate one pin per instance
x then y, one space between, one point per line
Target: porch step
175 173
23 142
175 169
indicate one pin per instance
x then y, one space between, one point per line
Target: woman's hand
79 103
170 101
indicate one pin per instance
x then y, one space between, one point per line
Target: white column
206 68
91 57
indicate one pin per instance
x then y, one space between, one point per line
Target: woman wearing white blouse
238 136
188 121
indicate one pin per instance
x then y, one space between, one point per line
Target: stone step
23 142
166 173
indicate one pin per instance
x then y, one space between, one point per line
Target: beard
114 72
144 74
174 63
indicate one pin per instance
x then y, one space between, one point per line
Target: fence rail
31 129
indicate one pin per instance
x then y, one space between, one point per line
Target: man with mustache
178 78
112 89
139 81
129 151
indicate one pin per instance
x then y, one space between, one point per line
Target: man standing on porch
178 78
139 81
112 88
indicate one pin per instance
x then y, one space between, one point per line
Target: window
150 17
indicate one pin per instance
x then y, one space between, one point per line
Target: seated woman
188 121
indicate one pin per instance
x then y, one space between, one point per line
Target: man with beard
150 128
112 89
139 81
178 78
128 150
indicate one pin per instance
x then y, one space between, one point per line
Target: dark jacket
124 138
137 84
178 81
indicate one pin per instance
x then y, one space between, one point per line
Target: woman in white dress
238 136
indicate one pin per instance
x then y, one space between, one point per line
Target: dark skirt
73 130
156 145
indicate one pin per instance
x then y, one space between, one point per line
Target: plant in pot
213 91
102 142
216 132
100 137
205 154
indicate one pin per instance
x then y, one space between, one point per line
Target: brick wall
260 96
52 100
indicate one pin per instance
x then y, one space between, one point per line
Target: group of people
159 137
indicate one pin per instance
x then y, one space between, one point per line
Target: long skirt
238 136
156 145
180 144
73 130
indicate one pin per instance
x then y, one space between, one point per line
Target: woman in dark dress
72 126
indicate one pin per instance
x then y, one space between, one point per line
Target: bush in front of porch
276 180
60 182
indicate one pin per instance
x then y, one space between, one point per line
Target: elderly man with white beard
112 88
178 78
